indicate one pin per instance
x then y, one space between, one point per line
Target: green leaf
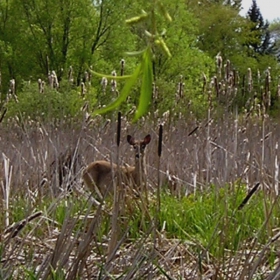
163 11
137 19
146 87
124 93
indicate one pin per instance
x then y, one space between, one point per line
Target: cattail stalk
180 89
276 172
157 215
117 190
208 145
159 156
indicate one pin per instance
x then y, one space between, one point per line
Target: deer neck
140 172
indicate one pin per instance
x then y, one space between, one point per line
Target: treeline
38 37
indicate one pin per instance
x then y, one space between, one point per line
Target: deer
99 175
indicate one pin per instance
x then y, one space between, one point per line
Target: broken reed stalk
14 229
249 195
7 188
115 227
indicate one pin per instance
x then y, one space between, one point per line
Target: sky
270 9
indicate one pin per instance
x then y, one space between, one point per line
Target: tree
38 36
274 29
167 49
222 30
261 42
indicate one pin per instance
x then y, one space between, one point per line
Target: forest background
69 38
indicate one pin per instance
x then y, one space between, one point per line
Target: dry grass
41 243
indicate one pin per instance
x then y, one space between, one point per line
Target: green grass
212 219
209 220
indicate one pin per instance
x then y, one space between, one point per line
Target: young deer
99 175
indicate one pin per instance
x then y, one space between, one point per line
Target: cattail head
267 93
219 63
227 69
114 82
83 89
250 80
12 89
41 85
104 83
55 80
122 67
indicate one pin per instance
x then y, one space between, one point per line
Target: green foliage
157 65
58 274
51 105
274 29
171 38
213 220
145 67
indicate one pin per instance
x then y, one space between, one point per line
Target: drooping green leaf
163 11
146 87
138 18
124 92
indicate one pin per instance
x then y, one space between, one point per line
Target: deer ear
147 139
130 140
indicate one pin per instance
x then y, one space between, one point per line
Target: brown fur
99 175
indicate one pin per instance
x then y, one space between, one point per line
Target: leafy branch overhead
144 68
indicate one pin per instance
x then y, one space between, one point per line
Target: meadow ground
203 225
